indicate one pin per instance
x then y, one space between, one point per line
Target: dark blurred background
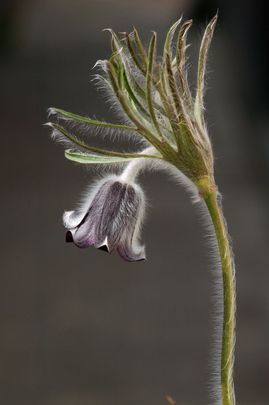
85 328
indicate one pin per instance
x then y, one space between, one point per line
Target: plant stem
229 306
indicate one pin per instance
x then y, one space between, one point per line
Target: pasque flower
158 110
110 219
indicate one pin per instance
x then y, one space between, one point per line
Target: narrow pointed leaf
140 48
133 54
169 37
136 118
97 150
149 80
205 44
169 82
87 158
115 41
168 106
90 121
183 119
132 94
181 62
125 85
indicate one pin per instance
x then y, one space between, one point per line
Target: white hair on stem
216 299
130 172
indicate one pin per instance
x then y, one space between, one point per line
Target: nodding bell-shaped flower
110 219
158 110
156 104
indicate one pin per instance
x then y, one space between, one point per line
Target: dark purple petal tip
69 237
104 248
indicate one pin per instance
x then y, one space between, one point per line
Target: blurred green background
85 328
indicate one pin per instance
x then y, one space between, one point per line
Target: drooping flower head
156 106
110 219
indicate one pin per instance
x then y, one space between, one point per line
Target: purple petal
129 248
131 254
119 214
110 224
113 213
82 235
71 219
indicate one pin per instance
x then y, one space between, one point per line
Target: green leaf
181 62
89 121
116 43
132 94
88 158
149 81
205 44
132 113
169 37
99 151
140 47
133 54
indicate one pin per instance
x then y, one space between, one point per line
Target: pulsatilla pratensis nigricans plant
157 108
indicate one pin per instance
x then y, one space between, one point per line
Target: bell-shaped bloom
109 219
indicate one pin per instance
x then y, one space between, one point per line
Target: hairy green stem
229 306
